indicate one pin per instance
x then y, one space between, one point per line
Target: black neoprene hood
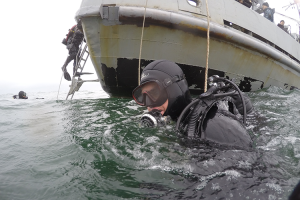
22 95
178 92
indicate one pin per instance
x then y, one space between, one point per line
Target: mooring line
207 51
141 44
59 85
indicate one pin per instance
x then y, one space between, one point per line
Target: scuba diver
73 40
22 95
217 115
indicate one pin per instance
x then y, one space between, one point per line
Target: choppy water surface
92 148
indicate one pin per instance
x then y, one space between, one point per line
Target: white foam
274 186
133 107
152 139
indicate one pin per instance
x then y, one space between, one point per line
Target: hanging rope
141 44
207 51
59 85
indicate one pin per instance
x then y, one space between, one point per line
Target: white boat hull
114 44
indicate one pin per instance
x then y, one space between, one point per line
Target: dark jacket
282 27
269 14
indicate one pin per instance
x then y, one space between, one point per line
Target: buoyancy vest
216 120
214 115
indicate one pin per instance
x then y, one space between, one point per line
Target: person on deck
247 3
73 41
281 25
268 12
164 90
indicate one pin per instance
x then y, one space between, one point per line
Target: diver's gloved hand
154 119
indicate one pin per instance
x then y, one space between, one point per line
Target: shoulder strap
209 104
197 116
71 31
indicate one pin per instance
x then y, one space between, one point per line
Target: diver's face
150 88
162 108
282 23
264 7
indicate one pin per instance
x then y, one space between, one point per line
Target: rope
207 51
59 85
141 44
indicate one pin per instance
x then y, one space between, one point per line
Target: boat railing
250 33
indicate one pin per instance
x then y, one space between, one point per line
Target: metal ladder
76 80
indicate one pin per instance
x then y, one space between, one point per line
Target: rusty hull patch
120 80
186 27
138 21
246 83
287 86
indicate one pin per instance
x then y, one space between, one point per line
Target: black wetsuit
20 97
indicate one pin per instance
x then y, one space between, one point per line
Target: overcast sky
281 6
32 53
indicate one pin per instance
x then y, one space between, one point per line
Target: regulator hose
240 93
192 122
184 111
224 94
195 115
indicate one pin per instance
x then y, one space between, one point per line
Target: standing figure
73 40
281 25
268 12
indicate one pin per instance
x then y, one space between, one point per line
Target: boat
244 46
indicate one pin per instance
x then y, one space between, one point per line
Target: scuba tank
69 35
214 115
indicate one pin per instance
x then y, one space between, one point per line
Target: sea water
91 147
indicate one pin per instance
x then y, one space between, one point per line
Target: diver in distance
218 115
22 95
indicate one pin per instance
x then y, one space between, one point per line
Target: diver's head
79 26
163 87
265 5
22 95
